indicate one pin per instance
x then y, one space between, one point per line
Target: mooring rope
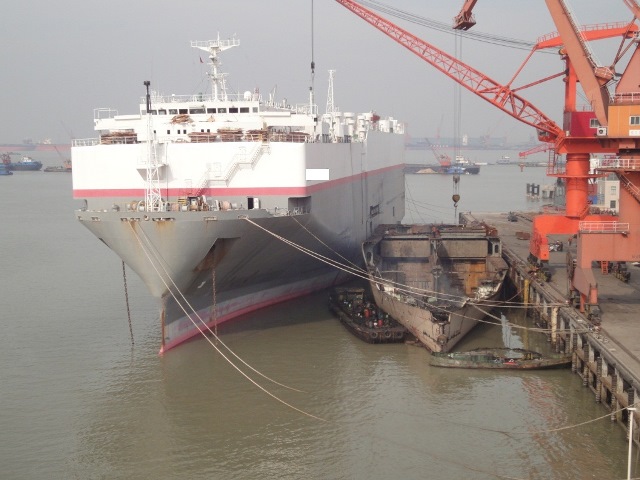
227 359
160 260
399 287
126 297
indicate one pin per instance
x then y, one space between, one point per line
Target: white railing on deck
603 227
620 163
84 142
102 113
631 97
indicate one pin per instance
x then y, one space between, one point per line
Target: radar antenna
213 48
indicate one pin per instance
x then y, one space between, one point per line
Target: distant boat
4 170
499 358
64 168
24 164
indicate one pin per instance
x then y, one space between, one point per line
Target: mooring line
227 359
360 273
158 257
126 298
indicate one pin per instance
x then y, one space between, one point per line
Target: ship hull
437 281
208 267
433 333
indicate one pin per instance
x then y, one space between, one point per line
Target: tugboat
362 318
24 164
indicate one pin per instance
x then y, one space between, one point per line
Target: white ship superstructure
196 194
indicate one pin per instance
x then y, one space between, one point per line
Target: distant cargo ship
29 146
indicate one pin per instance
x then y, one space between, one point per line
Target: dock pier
605 350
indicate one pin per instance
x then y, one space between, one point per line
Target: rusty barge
436 280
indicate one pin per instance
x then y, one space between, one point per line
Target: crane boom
633 6
593 78
486 88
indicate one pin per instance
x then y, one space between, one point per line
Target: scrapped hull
499 359
437 281
435 334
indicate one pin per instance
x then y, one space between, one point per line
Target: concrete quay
606 354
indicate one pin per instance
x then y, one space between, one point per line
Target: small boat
4 170
24 164
499 358
362 318
64 168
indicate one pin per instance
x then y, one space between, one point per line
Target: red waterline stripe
263 191
194 331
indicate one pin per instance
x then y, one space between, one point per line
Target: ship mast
213 48
153 196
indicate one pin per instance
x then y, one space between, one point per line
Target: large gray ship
226 203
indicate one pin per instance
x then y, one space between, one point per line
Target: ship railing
603 227
198 98
103 113
177 206
630 97
84 142
620 163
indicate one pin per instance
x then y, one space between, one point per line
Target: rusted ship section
436 280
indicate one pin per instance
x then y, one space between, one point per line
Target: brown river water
79 402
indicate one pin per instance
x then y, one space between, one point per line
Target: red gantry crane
611 126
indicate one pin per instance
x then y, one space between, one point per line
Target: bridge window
634 120
233 109
211 110
222 110
594 123
244 109
183 110
196 110
173 111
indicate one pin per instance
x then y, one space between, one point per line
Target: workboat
363 318
222 203
64 168
436 280
499 358
24 164
4 170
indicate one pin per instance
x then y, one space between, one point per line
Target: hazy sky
61 59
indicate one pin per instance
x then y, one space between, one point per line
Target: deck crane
616 121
